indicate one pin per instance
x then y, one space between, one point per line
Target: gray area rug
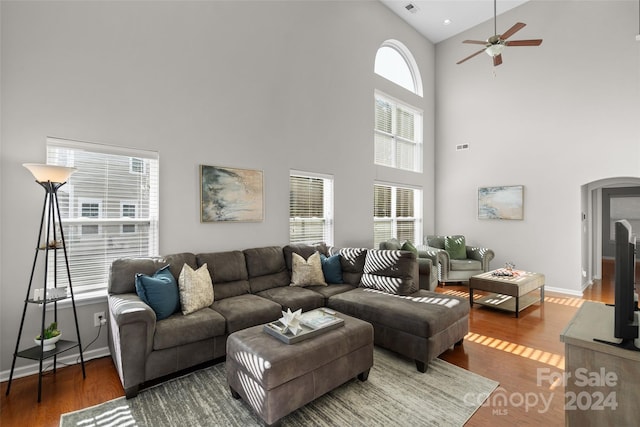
395 394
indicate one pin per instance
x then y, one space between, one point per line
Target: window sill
87 298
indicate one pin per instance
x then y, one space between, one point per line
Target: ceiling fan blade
533 42
511 31
470 56
497 60
474 42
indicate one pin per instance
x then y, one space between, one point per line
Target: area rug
395 394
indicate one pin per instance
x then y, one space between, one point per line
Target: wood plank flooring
509 350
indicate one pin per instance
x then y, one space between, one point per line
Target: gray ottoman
275 378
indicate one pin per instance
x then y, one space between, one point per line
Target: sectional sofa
253 286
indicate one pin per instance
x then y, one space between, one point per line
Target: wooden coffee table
512 294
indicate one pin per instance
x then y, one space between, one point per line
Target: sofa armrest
132 325
439 258
484 255
427 274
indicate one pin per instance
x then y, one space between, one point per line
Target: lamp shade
44 173
494 49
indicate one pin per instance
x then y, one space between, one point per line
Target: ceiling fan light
494 49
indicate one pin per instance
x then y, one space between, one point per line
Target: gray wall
551 118
262 85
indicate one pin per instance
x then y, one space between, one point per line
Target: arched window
394 62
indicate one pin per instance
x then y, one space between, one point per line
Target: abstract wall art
231 195
505 202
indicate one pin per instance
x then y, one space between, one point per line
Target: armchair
428 278
454 260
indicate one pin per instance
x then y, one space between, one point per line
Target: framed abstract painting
231 195
505 202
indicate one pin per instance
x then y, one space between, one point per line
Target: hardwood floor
512 351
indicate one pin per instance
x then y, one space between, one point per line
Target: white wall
261 85
551 118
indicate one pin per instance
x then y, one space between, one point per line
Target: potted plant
51 337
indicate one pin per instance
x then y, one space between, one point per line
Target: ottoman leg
234 393
363 376
421 366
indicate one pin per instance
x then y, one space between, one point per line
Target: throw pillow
160 292
196 289
455 246
408 246
331 268
307 272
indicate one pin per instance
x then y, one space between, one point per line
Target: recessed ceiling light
446 22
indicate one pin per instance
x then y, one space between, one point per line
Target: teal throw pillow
456 247
408 246
331 268
160 292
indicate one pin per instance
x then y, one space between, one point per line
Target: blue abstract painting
228 194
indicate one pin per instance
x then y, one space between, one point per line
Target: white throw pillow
307 273
196 289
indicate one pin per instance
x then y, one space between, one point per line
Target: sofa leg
459 342
234 393
421 366
363 376
131 392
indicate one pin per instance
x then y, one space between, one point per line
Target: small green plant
50 332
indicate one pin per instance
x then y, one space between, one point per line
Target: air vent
411 8
461 147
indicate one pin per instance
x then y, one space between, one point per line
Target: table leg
471 297
542 294
517 306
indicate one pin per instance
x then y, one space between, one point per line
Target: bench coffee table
512 294
276 378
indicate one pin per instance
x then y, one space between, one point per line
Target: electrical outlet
97 317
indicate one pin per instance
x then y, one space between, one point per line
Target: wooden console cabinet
602 382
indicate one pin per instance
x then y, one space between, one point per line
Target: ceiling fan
495 44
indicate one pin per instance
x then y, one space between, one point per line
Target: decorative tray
312 323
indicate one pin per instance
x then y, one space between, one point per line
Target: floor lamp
50 241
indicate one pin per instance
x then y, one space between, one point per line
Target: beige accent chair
475 260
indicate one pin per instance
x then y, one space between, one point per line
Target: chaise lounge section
253 286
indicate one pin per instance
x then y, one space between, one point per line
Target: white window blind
310 208
397 213
109 208
397 134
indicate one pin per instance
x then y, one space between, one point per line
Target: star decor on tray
291 321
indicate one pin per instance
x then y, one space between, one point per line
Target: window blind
397 135
310 208
396 213
109 208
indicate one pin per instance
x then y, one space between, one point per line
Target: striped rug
395 394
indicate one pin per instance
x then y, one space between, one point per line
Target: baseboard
70 359
563 291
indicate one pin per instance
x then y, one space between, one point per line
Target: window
397 134
310 208
99 226
395 62
128 211
397 213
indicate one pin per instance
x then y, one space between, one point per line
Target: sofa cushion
465 265
247 310
266 268
228 271
352 261
294 297
332 268
307 272
179 329
332 289
159 291
196 289
435 241
394 272
455 246
422 314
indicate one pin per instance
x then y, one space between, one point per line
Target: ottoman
275 378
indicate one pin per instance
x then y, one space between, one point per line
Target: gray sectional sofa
252 287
